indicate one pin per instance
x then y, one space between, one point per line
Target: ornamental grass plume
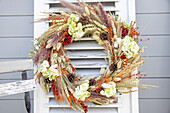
103 15
56 38
71 6
44 54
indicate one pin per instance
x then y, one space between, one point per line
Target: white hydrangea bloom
81 92
45 63
84 86
109 89
130 47
75 31
48 71
43 67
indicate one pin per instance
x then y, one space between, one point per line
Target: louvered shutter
86 56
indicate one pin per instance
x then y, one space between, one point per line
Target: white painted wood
85 53
17 87
90 110
40 100
75 1
40 28
82 48
126 105
53 104
16 66
134 95
50 95
108 8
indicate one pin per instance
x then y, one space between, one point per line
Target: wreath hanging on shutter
55 71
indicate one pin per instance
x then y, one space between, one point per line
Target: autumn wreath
56 73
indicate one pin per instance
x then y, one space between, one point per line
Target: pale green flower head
45 63
128 54
45 73
72 18
53 71
125 25
130 47
84 95
75 18
134 47
81 92
44 66
78 35
51 77
79 27
84 86
100 42
72 27
109 89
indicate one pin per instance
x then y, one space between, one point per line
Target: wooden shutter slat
75 1
53 104
108 8
50 95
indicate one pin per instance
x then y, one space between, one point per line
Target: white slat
50 95
84 48
86 57
107 8
53 104
17 87
90 110
16 66
86 54
75 1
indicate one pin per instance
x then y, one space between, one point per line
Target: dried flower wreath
55 71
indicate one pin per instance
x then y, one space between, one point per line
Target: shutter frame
126 10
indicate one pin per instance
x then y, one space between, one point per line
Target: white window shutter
85 55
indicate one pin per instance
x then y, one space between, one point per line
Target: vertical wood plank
40 28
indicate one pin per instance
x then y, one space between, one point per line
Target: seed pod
87 11
59 59
58 46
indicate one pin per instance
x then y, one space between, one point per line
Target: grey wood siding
153 19
16 32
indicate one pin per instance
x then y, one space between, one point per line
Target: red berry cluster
123 57
67 40
85 107
99 89
124 31
54 89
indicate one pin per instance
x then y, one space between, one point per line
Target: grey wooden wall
16 32
153 17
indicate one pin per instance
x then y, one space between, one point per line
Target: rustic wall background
16 32
153 17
